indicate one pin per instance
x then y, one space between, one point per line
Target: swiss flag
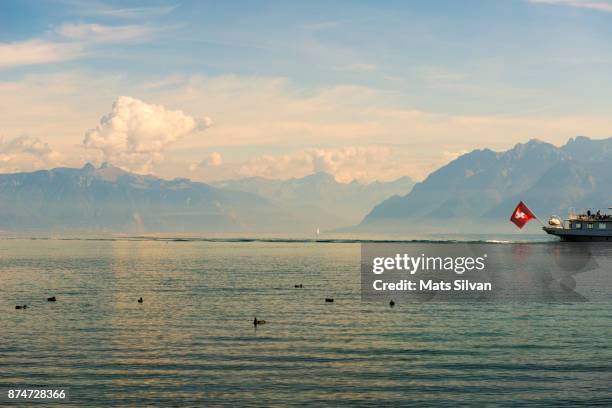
521 215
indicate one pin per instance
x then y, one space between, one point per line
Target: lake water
192 341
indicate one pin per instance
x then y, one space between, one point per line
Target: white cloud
96 33
134 12
255 116
100 9
604 6
350 163
213 160
135 134
25 153
36 52
363 163
68 41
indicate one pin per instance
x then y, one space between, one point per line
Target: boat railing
590 217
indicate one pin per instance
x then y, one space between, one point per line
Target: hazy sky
363 90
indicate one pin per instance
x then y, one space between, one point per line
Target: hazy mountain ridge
475 192
486 184
110 199
319 199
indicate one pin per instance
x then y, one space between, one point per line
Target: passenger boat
589 226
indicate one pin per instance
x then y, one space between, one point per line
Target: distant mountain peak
478 184
319 198
532 147
578 139
320 176
108 198
108 172
530 144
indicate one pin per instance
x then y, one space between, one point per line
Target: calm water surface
192 341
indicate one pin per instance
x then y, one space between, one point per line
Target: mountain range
474 193
479 190
109 199
319 200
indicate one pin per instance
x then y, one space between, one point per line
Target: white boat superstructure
586 226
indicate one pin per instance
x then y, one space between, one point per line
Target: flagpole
536 217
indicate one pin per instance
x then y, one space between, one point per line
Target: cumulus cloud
257 112
213 160
135 134
26 153
362 163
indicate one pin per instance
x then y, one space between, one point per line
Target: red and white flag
521 215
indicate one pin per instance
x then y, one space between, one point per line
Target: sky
365 90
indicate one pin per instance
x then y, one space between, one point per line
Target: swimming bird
391 303
329 300
256 322
21 307
298 286
51 299
140 300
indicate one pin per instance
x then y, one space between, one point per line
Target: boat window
578 225
602 225
590 225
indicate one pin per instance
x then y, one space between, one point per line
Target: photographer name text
431 285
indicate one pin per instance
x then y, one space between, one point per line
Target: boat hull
579 235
